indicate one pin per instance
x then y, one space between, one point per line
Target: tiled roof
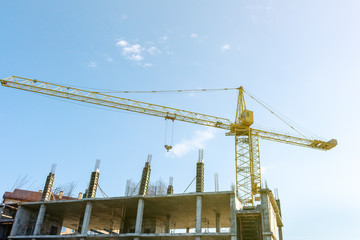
30 196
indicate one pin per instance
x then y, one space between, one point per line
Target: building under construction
197 215
207 215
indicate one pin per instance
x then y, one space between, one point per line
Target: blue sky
300 57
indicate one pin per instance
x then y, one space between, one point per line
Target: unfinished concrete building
197 215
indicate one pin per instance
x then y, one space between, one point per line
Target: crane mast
247 155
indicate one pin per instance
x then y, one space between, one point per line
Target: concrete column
233 217
39 220
198 214
280 233
167 224
86 220
266 221
139 216
217 215
16 221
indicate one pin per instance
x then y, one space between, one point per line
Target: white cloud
137 52
225 47
153 50
198 140
194 35
136 48
121 43
131 52
109 59
92 64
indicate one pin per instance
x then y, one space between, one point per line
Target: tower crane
247 158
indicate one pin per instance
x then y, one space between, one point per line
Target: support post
86 220
217 215
139 216
16 224
167 224
280 233
40 219
198 214
233 217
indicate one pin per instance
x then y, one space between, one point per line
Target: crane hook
168 147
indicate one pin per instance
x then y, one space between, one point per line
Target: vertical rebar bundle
216 181
49 184
170 189
144 183
94 180
200 172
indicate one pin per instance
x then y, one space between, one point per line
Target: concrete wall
26 219
24 222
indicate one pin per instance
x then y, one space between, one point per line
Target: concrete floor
106 213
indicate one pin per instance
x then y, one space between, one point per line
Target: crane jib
119 103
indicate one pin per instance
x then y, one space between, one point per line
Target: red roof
29 196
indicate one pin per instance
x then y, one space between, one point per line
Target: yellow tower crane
247 158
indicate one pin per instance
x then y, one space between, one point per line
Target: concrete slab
106 212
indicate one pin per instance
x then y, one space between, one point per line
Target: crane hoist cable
170 145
